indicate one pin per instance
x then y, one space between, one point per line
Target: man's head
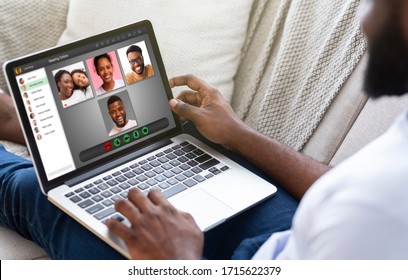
385 23
117 111
135 58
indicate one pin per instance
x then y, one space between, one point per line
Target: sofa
244 49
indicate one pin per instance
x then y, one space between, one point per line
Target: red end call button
107 146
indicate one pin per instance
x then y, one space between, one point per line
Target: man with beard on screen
140 70
117 112
356 210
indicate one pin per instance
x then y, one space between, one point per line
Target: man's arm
159 231
215 119
10 128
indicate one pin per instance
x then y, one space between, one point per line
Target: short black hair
98 57
134 48
58 76
113 99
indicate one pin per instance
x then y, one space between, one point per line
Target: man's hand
158 231
204 105
215 119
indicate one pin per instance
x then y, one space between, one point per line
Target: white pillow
197 37
28 27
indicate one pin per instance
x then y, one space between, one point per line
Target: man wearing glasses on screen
136 61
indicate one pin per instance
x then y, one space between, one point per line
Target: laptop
97 126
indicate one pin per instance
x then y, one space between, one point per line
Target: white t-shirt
115 129
76 97
118 84
88 93
358 210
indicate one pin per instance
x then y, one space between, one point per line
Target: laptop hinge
118 162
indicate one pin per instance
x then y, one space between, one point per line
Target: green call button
145 130
117 142
126 138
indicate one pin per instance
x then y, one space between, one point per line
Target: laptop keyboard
171 171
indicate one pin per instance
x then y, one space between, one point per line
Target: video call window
136 62
117 112
73 84
106 75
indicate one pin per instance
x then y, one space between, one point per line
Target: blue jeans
25 210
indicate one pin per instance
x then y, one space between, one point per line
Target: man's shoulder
150 70
131 77
131 123
113 131
129 74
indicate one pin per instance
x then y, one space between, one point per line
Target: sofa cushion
339 118
375 118
15 247
24 31
198 37
298 54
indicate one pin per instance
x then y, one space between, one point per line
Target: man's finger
184 110
139 200
188 80
119 229
191 97
158 198
129 210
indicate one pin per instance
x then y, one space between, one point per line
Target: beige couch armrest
375 118
15 247
339 118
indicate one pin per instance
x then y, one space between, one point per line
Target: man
355 211
117 112
136 61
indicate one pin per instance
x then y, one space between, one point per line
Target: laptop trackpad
206 209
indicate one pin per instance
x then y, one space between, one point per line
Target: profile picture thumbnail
136 62
73 84
117 112
106 75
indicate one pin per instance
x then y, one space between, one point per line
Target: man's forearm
289 168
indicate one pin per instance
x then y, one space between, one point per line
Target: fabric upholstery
375 118
339 118
297 56
15 247
24 31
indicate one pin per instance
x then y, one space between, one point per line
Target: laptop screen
92 101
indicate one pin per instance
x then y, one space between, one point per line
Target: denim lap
28 212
